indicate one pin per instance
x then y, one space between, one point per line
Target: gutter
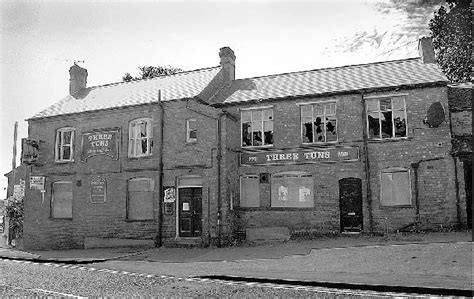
160 171
366 164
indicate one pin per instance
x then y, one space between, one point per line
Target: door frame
361 204
177 236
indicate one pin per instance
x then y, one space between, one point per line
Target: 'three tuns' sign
300 156
103 142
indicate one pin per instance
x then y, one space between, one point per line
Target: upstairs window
386 118
257 127
140 140
319 123
191 130
395 187
64 145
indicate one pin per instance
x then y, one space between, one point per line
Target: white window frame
59 144
378 98
190 139
293 174
391 171
132 150
251 110
312 104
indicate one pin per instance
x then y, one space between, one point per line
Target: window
140 140
140 199
191 130
395 187
319 123
249 191
292 189
64 145
257 127
61 200
386 118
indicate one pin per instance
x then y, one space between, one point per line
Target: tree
451 32
147 72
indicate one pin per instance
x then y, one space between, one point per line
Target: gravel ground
39 280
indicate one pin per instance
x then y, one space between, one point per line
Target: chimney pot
426 50
77 79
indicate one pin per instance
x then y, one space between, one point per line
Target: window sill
140 220
256 209
191 142
257 147
320 143
140 157
397 207
389 140
63 162
67 219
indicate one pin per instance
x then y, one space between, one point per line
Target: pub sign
101 142
98 190
300 156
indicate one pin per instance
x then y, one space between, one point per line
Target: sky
40 40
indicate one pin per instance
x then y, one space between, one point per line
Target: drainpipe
367 165
160 171
219 159
456 179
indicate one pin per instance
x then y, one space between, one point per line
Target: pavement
429 260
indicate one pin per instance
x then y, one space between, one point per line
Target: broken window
257 127
64 145
386 118
191 130
319 122
140 138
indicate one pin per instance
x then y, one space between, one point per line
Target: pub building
201 158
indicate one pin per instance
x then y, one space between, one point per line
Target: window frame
393 170
152 191
52 203
149 138
292 174
59 144
379 111
190 139
251 110
249 176
312 104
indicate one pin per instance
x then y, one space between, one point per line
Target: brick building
199 157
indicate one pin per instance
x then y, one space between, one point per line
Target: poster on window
305 194
100 142
283 193
169 195
98 190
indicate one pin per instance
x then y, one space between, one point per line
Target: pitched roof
173 87
333 80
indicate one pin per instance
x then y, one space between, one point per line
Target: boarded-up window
140 199
61 201
396 190
292 189
249 191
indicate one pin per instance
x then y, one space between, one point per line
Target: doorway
190 212
350 204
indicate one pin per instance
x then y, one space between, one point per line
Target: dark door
468 188
190 211
350 203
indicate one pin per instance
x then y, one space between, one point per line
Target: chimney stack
426 50
228 63
77 79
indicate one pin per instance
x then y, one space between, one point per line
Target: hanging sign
169 194
300 156
36 182
101 142
98 190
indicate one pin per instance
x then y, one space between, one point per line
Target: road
26 279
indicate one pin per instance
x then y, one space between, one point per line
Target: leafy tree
451 32
147 72
15 213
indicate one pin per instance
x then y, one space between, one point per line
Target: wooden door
350 203
190 212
